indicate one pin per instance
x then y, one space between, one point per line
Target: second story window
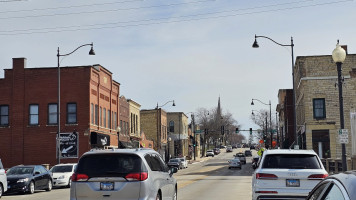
71 113
171 126
33 117
319 108
104 115
96 115
52 113
4 115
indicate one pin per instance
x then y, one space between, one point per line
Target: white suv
287 174
123 174
3 180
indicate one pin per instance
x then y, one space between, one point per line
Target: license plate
106 186
293 183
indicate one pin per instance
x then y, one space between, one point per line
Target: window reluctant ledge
71 124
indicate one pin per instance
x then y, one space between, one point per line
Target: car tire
31 187
158 197
1 190
69 182
49 185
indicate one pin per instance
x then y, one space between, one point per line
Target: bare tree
261 119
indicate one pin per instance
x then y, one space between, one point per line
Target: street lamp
91 52
158 124
339 56
270 116
169 154
255 45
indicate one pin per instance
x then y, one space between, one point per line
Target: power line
114 25
10 1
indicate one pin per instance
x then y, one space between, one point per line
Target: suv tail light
266 176
79 177
318 176
137 176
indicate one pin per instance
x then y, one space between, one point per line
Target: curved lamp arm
284 45
165 104
267 104
91 52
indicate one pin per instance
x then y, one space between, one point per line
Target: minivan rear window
291 161
110 165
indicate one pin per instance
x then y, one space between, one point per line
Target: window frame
30 115
72 113
5 116
171 126
315 101
49 114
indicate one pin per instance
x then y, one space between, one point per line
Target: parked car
248 153
255 162
123 174
234 163
209 153
3 180
216 151
241 157
252 147
335 187
175 162
28 178
287 174
62 174
184 162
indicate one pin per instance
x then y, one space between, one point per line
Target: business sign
99 140
69 145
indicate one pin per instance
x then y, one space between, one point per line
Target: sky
189 51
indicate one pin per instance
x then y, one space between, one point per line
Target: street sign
343 136
198 131
68 145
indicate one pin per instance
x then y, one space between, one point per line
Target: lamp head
255 44
253 113
252 102
173 103
339 54
91 52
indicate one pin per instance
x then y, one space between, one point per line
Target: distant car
234 163
62 174
3 180
335 187
234 146
209 153
123 174
241 157
216 151
175 162
287 174
184 162
252 147
248 153
28 178
222 147
229 148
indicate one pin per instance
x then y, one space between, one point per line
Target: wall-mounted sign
69 145
99 140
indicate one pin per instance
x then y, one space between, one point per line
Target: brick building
28 104
286 115
178 131
124 123
317 97
135 125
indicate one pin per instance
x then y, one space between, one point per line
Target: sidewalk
198 160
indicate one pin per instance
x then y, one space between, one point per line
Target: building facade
178 132
286 118
124 123
29 115
318 119
135 124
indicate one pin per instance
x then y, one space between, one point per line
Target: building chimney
18 63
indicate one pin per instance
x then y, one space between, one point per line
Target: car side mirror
173 170
36 173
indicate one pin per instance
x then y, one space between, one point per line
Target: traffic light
250 131
237 130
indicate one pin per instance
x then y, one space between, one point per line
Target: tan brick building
28 104
178 131
317 101
135 124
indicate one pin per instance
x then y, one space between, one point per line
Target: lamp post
91 52
255 45
169 154
270 116
158 124
339 56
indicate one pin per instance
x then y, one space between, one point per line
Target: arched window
171 126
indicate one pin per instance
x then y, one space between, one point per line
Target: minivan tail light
266 176
79 177
318 176
137 176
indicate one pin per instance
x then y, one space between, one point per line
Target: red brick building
28 111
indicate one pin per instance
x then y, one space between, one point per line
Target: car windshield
173 160
63 168
240 155
20 170
110 165
291 161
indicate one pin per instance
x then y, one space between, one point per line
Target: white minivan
3 180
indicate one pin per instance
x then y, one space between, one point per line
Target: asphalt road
208 179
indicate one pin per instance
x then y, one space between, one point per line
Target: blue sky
192 51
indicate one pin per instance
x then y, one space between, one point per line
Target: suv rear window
110 165
291 161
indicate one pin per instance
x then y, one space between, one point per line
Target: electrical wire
115 25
